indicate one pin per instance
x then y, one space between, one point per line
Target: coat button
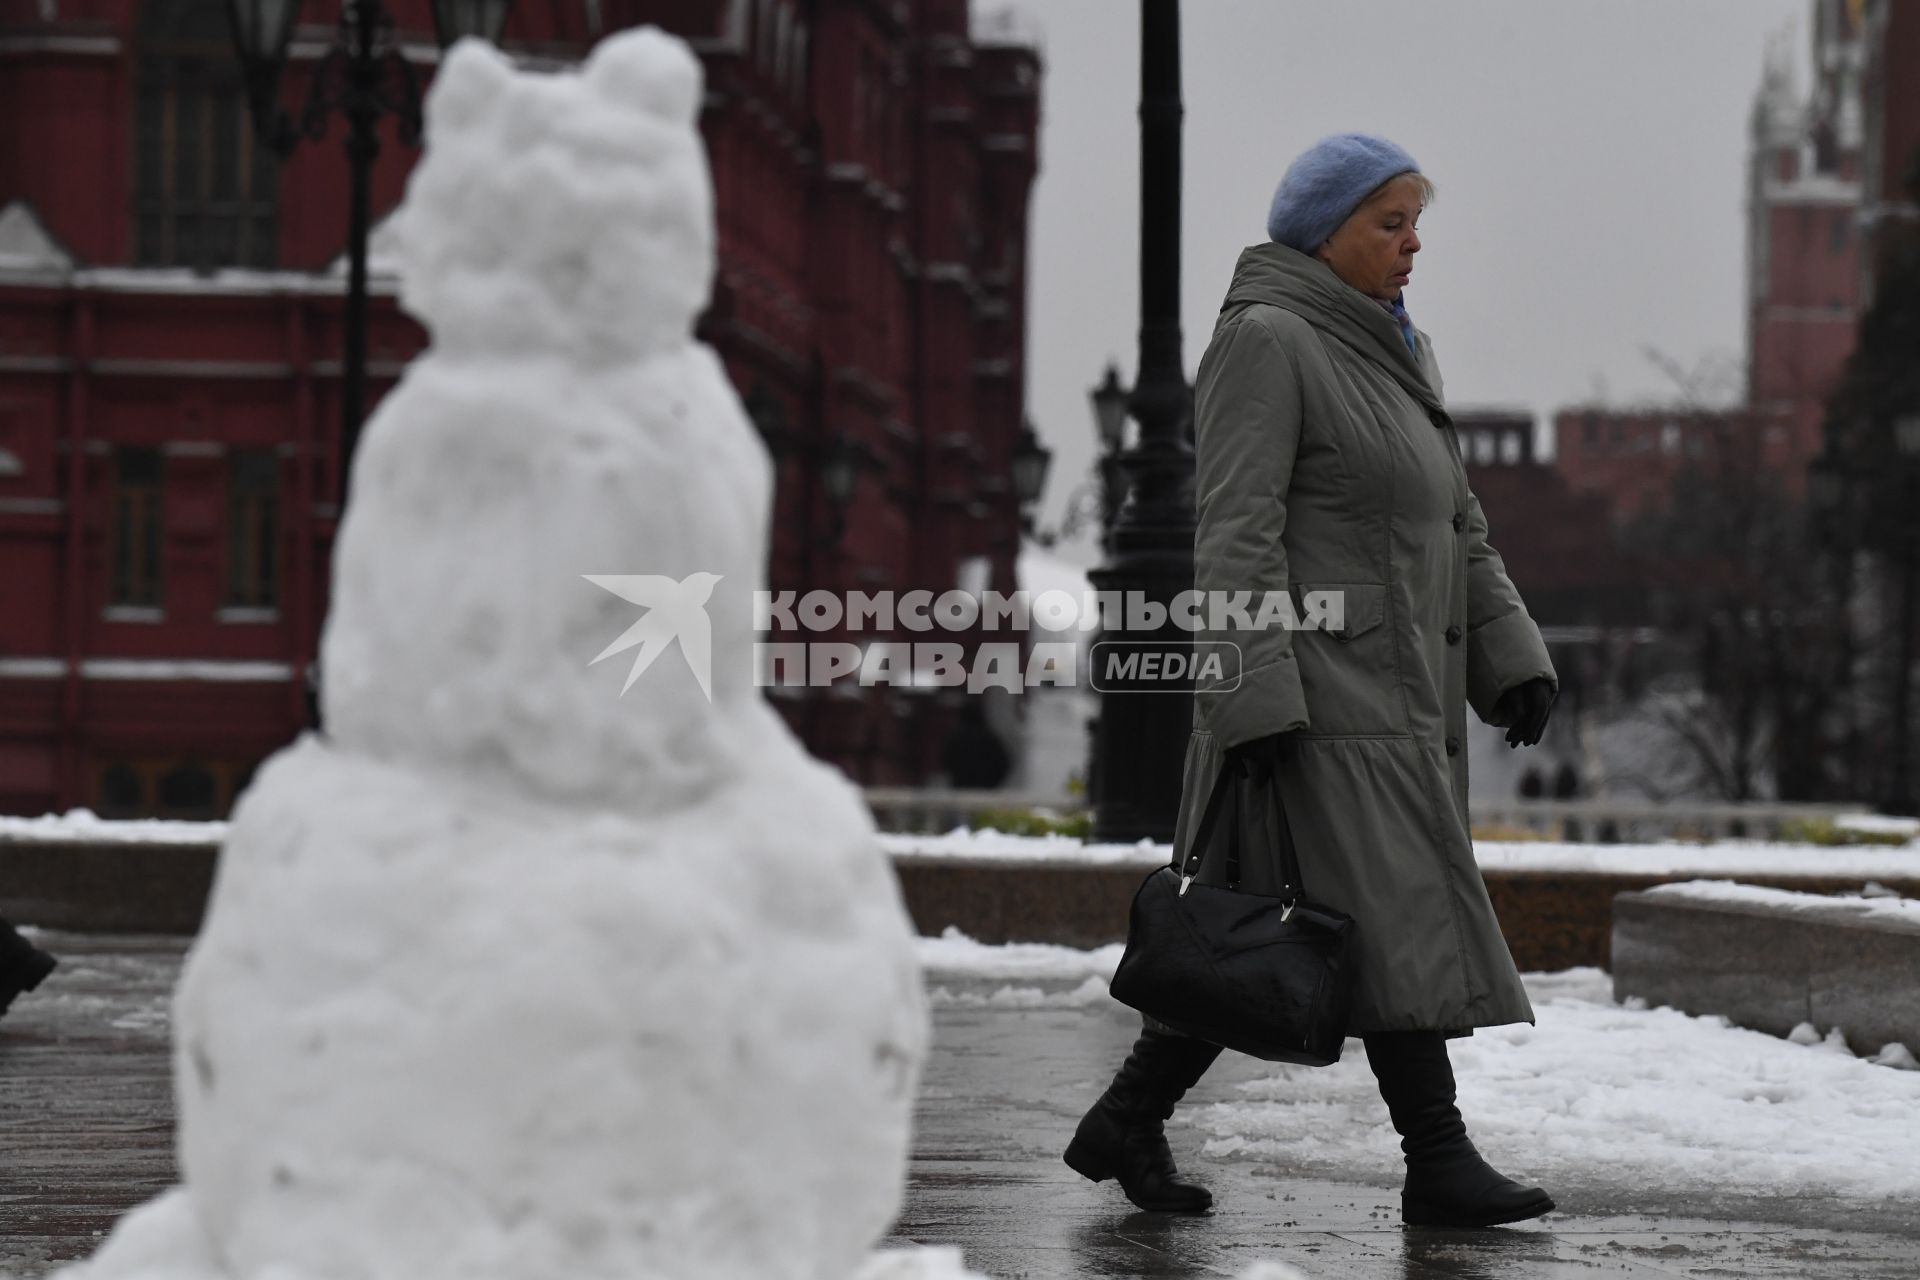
1453 634
1453 746
1441 418
1459 521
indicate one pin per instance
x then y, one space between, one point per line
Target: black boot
1123 1136
22 965
1448 1184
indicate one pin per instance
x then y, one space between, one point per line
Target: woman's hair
1427 190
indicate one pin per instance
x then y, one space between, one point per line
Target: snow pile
1879 824
963 844
1897 1056
954 955
1606 1096
1876 907
83 826
511 976
940 1262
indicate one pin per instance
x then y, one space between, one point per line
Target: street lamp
841 462
364 76
1110 425
1031 459
1110 410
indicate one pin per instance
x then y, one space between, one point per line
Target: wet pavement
1006 1085
86 1131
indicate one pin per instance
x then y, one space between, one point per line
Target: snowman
537 967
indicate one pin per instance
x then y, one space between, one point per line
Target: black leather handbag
1271 977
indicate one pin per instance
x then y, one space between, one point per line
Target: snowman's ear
648 70
474 81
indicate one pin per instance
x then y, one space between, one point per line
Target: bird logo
676 610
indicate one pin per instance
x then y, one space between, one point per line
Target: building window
123 793
206 193
253 491
189 791
797 69
1510 448
782 35
194 788
136 528
1670 437
763 34
1840 232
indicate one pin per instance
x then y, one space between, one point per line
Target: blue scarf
1398 311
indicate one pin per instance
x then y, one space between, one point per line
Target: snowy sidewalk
1675 1146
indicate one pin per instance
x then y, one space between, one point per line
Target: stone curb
1772 967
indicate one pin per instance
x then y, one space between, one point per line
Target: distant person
974 757
23 966
1326 460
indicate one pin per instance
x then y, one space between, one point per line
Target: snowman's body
510 975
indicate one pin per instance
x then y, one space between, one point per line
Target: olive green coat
1326 462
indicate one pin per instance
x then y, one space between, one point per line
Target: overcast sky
1590 159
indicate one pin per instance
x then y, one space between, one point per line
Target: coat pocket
1344 610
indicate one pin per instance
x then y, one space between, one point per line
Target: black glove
1262 754
1523 710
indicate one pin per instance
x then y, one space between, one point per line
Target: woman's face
1373 249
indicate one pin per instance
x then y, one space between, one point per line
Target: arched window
188 791
205 192
123 794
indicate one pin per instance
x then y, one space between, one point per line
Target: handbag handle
1234 776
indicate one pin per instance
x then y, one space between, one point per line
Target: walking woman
1327 463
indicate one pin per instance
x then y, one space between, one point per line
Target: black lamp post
1140 739
364 76
1906 440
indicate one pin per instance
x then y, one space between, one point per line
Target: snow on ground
1600 1095
1597 1094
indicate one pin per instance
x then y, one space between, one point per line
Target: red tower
1803 241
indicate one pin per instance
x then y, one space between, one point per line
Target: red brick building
170 320
1558 541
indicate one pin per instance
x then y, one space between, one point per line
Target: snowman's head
567 214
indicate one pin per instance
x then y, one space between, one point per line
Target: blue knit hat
1327 183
